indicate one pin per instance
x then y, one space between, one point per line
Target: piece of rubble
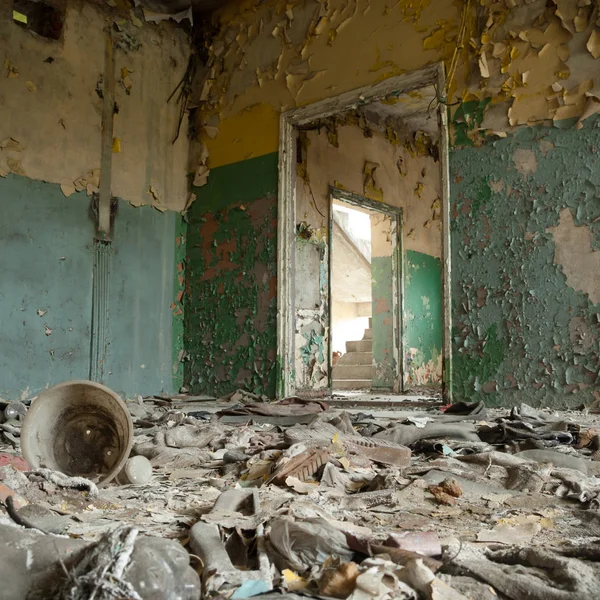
219 573
302 545
426 543
446 492
301 466
339 582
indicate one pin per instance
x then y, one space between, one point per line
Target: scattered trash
446 492
300 498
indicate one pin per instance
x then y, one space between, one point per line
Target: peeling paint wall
231 291
46 260
50 145
272 56
50 110
526 242
531 60
384 277
510 64
399 172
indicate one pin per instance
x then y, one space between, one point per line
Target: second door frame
290 121
398 277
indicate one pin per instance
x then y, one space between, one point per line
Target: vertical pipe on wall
108 108
100 309
102 246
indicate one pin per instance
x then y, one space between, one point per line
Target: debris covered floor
300 498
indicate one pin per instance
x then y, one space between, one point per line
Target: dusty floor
331 503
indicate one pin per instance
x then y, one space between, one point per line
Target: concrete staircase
354 370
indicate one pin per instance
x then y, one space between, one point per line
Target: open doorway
378 153
366 298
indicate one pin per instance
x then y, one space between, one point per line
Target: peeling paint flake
593 44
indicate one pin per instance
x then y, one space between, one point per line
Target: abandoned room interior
300 299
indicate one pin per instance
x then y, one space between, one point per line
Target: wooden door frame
290 121
398 274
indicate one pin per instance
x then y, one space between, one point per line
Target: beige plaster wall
404 175
50 113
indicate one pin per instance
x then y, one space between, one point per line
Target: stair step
368 334
352 384
355 358
360 346
352 372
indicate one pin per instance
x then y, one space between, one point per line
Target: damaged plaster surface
536 59
525 267
230 314
509 63
50 107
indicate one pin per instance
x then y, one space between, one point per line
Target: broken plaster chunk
446 492
31 86
483 66
67 188
201 176
593 44
10 143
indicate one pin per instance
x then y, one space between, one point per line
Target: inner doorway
366 296
387 142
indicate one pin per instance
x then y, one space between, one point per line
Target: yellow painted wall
536 62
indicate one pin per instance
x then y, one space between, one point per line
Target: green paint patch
423 315
231 290
243 181
47 264
479 363
177 306
513 309
466 121
384 365
482 197
314 348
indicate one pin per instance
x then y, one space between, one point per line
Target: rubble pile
296 499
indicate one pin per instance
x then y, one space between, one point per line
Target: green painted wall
46 261
140 355
178 305
46 265
521 332
423 318
231 285
382 281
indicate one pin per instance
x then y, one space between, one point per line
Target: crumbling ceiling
174 6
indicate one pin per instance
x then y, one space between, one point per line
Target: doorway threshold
358 398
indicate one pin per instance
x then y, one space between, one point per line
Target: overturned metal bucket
80 428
